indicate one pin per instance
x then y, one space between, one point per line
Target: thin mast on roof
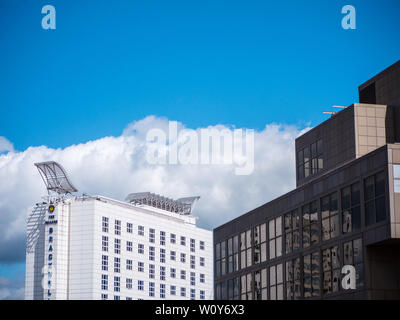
55 177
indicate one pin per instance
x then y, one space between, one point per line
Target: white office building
93 247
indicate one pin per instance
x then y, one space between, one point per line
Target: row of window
306 276
152 234
310 160
140 268
141 250
305 227
151 288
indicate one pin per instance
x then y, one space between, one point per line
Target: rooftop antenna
332 113
329 112
55 178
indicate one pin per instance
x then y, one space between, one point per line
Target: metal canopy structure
182 206
55 177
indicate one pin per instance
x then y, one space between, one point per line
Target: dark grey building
344 211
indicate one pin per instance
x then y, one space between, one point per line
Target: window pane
288 222
357 251
306 169
288 243
320 163
243 259
230 246
334 225
263 252
379 184
248 239
380 209
369 213
263 232
218 251
296 240
235 244
335 257
325 207
278 246
356 218
355 194
346 198
346 221
278 227
301 172
314 150
256 235
249 258
280 292
348 253
335 280
279 273
272 275
300 157
319 147
223 249
369 188
272 229
306 154
272 249
325 229
243 282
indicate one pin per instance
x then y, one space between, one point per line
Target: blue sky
239 63
232 62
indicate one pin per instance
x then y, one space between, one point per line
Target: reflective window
246 249
233 254
246 288
330 217
293 279
375 203
292 231
312 281
351 212
260 284
331 268
353 255
310 224
310 160
260 244
276 282
275 237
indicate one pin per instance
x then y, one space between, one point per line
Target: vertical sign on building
49 269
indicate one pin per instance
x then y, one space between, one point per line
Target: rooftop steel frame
55 177
183 206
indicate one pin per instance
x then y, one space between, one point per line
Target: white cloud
12 289
116 166
5 145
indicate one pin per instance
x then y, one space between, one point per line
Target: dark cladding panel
367 95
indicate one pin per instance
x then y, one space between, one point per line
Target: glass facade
310 160
300 254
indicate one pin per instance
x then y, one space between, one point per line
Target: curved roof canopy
181 206
55 177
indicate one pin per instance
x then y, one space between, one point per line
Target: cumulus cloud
12 289
5 145
117 166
